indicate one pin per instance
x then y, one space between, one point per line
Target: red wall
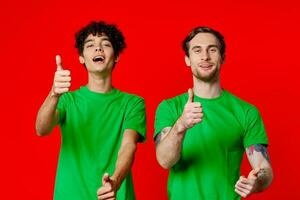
262 62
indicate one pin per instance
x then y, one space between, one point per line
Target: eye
213 50
89 45
107 44
197 50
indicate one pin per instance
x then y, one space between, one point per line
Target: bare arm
262 174
47 116
111 184
169 141
169 145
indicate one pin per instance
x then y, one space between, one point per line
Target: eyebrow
209 46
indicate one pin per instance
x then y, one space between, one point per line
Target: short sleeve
164 117
135 118
61 108
255 132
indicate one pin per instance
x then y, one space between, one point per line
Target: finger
196 105
58 63
253 173
62 84
244 180
60 90
63 73
62 79
191 96
243 185
196 110
103 190
107 195
196 115
105 178
240 192
196 121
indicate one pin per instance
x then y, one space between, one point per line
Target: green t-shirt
212 150
92 126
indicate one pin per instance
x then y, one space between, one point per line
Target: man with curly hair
100 125
201 135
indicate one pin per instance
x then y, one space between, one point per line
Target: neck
100 84
207 89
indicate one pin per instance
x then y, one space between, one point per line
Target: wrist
179 127
116 181
53 94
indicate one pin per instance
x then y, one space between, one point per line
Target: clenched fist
62 79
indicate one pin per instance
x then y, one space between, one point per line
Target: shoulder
176 101
172 106
239 102
131 99
246 111
130 96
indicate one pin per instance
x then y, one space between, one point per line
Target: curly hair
204 29
97 28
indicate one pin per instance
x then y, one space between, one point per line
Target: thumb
105 178
58 63
253 173
191 96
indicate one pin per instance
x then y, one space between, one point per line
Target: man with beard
100 124
201 135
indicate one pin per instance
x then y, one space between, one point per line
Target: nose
205 56
99 48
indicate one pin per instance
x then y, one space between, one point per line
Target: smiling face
98 54
204 57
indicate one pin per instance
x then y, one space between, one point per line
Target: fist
246 186
108 189
62 79
192 113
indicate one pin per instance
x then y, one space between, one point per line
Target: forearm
124 163
168 151
47 117
264 179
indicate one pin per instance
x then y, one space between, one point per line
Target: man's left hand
108 190
246 186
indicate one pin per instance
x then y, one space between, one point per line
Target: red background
262 65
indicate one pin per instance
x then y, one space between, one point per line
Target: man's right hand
62 79
192 113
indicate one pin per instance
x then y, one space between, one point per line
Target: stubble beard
213 76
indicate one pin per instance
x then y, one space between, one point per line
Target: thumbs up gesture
108 189
246 186
62 79
192 113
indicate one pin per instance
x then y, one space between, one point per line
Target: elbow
164 165
40 131
163 162
271 177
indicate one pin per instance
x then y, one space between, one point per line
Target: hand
108 190
62 79
246 186
192 113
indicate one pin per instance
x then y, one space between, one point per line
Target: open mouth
98 59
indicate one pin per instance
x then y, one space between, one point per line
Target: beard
213 76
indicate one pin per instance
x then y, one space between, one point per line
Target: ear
81 59
117 59
223 59
187 60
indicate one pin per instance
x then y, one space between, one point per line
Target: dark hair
204 29
97 28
